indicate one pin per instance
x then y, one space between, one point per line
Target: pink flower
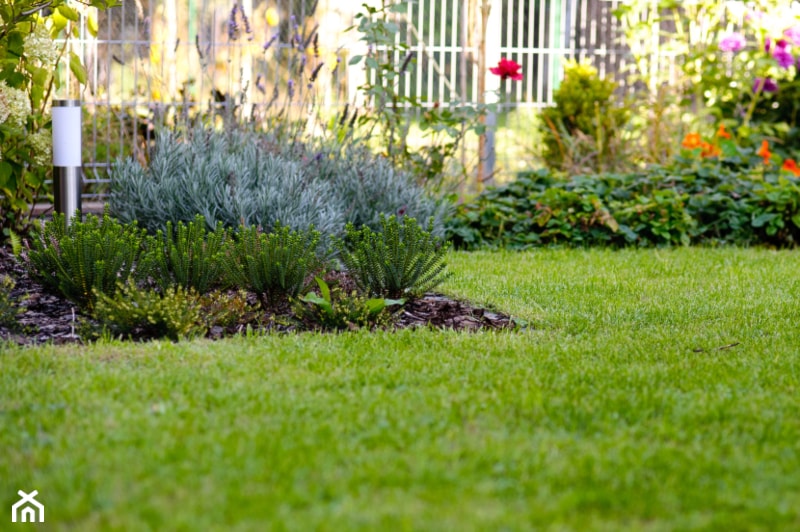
782 54
732 42
793 34
507 68
765 85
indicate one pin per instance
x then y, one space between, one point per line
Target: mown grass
655 390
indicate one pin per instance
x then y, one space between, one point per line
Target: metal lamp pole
67 157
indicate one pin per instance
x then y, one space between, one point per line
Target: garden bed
49 317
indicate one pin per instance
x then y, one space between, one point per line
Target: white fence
151 57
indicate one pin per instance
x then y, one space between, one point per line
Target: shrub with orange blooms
790 165
693 141
764 152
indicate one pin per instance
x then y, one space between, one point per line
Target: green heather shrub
239 177
9 307
87 257
274 265
720 203
332 309
176 313
188 255
403 259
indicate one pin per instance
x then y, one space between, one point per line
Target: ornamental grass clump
87 257
402 260
275 265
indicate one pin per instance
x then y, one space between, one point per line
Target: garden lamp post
67 157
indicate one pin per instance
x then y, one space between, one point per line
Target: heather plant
87 257
28 57
9 306
333 309
401 260
175 313
275 265
188 255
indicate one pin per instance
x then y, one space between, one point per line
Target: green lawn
616 410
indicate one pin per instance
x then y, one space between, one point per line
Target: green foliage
176 313
227 309
238 178
188 255
87 257
584 128
9 307
710 80
273 265
703 203
28 57
403 259
391 106
332 309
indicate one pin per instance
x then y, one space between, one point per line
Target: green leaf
355 59
68 12
77 68
796 220
324 289
91 25
372 63
5 176
15 44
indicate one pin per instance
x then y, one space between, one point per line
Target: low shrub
275 265
403 259
716 202
87 257
9 306
188 255
176 313
239 177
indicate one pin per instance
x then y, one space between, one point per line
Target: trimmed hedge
709 205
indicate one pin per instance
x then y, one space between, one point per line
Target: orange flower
721 133
709 150
791 166
692 141
764 152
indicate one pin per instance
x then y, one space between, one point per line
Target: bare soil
48 317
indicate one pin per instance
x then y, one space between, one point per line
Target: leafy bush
584 127
333 309
188 255
175 314
227 309
87 257
273 265
723 202
9 308
239 178
402 259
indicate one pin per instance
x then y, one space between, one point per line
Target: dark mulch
48 317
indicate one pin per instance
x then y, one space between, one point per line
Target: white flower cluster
15 107
39 45
41 143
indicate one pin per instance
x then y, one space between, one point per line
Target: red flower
692 141
791 166
721 133
507 68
